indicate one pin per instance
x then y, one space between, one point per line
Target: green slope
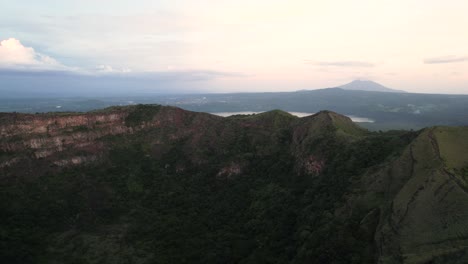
423 204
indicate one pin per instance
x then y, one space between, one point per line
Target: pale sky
244 45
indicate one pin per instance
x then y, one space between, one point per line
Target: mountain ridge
185 187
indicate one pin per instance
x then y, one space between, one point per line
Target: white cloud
110 69
446 59
343 63
15 55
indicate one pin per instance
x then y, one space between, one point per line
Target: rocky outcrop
15 124
313 165
230 170
75 138
41 136
76 160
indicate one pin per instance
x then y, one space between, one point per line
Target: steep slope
421 198
369 86
429 210
154 184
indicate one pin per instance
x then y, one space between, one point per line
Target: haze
228 46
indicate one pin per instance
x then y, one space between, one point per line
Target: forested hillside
157 184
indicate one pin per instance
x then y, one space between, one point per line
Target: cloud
355 64
179 76
32 83
27 72
21 82
445 59
107 69
14 55
105 72
143 41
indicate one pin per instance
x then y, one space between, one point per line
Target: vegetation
168 196
140 114
453 145
389 110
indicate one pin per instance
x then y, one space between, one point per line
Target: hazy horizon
88 47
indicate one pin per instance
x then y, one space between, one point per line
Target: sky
233 46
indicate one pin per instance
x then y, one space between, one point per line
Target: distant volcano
368 86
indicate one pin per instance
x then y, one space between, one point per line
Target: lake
356 119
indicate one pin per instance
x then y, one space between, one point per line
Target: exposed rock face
43 135
314 165
9 162
20 124
75 161
231 170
